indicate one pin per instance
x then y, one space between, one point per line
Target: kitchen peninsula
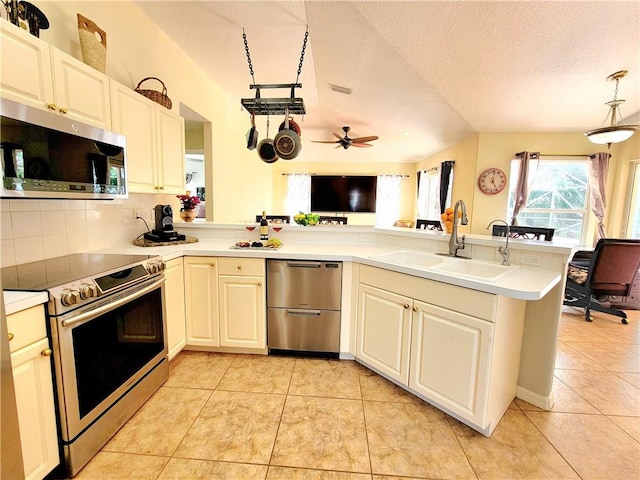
521 302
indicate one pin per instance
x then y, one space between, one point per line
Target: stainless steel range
107 325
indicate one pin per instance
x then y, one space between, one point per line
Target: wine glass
277 225
250 224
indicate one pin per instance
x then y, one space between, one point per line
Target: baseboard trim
540 401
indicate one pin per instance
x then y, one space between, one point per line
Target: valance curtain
598 168
522 187
298 193
445 182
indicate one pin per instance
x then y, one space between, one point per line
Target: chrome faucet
504 251
456 243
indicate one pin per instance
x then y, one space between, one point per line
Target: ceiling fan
346 141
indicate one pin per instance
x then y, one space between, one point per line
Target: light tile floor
225 416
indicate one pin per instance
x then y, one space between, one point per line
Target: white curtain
298 193
388 199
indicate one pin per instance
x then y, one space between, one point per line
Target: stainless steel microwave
47 155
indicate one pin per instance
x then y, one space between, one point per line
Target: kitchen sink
407 257
488 272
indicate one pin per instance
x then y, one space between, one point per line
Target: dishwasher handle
299 312
303 264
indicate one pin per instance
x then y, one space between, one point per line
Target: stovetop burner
53 272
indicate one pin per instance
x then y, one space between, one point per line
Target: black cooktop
53 272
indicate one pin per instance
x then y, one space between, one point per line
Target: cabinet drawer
241 266
27 327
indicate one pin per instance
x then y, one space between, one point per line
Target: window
558 197
633 219
429 194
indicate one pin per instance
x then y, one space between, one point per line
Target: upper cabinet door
25 67
134 117
170 163
81 92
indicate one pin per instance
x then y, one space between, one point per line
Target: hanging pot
287 142
292 126
266 148
252 134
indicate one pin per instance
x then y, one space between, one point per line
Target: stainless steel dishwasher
303 307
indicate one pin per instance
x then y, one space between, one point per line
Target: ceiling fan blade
323 141
361 145
364 139
337 136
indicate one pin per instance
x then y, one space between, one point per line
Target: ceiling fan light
606 135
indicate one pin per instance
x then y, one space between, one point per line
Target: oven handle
110 306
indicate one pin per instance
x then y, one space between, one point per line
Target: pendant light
616 131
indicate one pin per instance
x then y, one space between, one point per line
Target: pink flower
188 202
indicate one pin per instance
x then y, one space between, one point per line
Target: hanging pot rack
274 105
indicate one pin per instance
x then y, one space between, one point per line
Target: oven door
104 350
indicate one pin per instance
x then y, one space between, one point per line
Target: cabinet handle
415 309
239 267
64 110
161 187
259 284
406 305
46 352
52 106
10 336
213 264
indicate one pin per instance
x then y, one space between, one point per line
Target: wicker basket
93 44
158 97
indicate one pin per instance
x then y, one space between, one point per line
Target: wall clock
492 181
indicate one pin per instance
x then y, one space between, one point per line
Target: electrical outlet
136 213
530 259
392 240
366 238
239 234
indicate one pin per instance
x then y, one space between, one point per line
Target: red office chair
610 271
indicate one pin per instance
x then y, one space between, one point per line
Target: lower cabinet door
175 302
242 311
450 360
384 328
201 301
33 385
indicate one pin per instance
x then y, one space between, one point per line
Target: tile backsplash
33 230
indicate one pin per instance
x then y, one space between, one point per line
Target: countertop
520 282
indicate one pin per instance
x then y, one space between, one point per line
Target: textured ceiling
424 74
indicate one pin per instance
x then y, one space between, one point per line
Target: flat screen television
343 193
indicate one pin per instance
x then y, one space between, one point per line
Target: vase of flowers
188 207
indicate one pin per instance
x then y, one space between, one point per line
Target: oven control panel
84 291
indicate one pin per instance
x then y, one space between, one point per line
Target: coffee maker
164 231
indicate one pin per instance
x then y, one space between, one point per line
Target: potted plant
188 207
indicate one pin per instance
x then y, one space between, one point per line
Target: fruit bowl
305 219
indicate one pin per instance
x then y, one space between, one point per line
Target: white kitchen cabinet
201 301
46 78
242 295
383 331
175 303
450 359
33 383
462 349
155 141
